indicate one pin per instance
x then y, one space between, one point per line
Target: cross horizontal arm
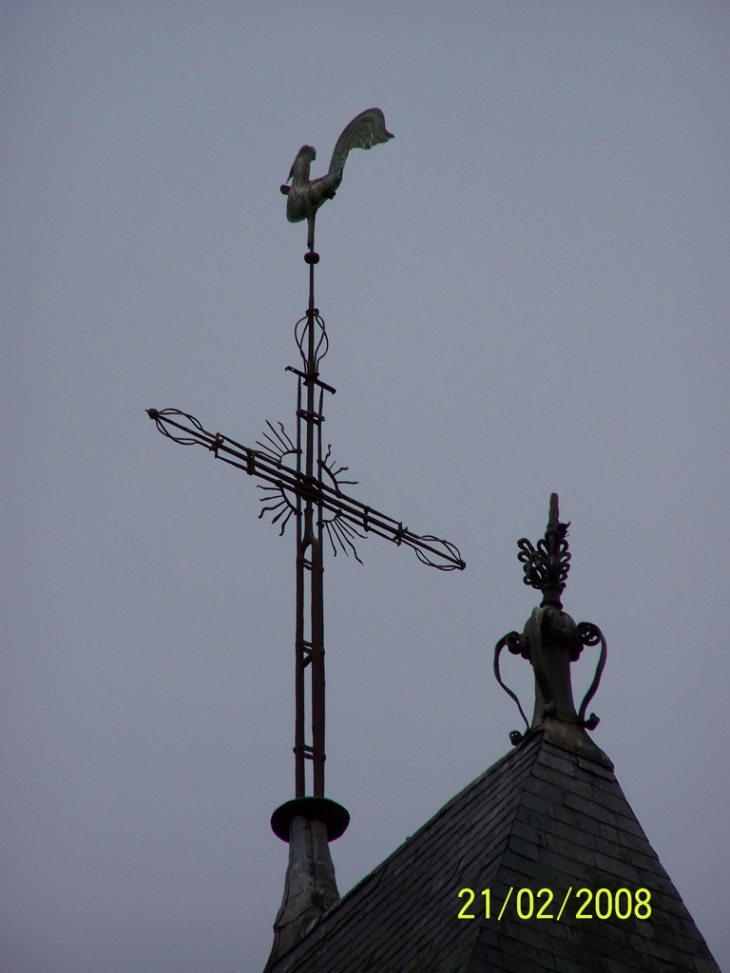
430 550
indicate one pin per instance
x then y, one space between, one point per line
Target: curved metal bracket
590 634
517 646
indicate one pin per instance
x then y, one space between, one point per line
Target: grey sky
525 291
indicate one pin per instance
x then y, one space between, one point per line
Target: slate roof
542 817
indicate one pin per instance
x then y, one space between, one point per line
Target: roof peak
538 819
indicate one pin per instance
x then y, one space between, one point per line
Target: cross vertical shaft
310 567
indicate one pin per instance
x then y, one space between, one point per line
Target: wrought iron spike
340 534
278 444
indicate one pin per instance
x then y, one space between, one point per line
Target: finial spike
554 513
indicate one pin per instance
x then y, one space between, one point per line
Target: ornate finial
551 641
305 196
546 566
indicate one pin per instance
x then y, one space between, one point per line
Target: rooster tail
364 131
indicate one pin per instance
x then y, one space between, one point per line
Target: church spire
551 641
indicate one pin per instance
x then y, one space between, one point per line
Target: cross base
330 813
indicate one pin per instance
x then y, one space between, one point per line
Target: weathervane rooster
305 196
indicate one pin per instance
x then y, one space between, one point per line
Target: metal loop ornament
451 551
321 341
161 415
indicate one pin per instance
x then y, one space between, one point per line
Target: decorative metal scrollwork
448 550
590 634
546 566
340 535
517 645
321 342
551 640
163 418
276 445
548 562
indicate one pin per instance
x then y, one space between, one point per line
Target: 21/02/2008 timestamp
588 904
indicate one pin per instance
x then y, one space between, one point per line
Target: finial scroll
305 195
546 566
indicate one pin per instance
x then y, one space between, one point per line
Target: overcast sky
525 291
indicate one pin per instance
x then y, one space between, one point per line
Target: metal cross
302 481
